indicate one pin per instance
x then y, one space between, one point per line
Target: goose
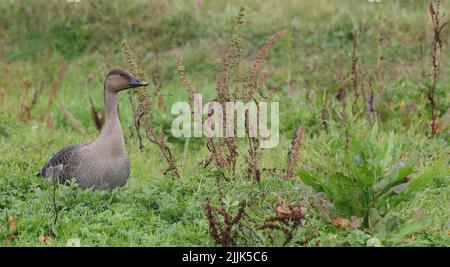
103 163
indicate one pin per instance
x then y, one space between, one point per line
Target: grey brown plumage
61 158
104 162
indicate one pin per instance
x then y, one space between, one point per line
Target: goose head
120 79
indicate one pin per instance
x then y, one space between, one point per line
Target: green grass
313 58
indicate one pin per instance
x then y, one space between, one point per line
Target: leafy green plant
363 175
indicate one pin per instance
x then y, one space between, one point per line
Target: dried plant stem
355 67
134 127
222 232
143 108
288 217
136 123
55 207
161 142
379 73
254 154
436 52
96 117
222 79
54 175
58 79
25 109
294 151
325 116
369 105
156 80
257 65
184 81
250 93
143 113
72 120
222 87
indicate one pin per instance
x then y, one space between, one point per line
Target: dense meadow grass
369 173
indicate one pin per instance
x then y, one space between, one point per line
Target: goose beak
135 82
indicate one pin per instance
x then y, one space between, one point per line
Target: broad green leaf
408 229
388 153
373 217
426 178
345 194
395 176
310 178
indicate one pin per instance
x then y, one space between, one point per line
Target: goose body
103 163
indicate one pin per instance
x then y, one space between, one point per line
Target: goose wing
60 160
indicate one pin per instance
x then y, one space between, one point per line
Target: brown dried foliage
250 93
354 69
436 52
97 117
370 109
143 113
222 230
325 116
379 68
156 80
182 72
229 60
258 64
294 151
223 145
24 112
215 150
288 217
72 120
59 78
26 106
11 226
254 155
224 151
26 103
